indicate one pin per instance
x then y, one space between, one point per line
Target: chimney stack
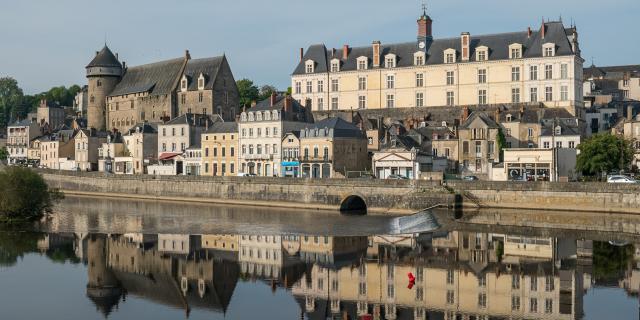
333 52
287 103
187 55
529 32
301 54
272 99
543 29
497 115
464 41
345 52
425 27
376 53
465 114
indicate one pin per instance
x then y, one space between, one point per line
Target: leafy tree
610 262
10 96
25 195
15 244
266 91
248 92
501 141
602 153
4 154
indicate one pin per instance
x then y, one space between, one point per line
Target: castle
121 96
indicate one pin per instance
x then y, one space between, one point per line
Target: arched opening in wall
353 205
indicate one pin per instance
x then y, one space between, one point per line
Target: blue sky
47 43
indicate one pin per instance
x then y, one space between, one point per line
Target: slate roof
104 58
265 104
188 118
209 67
145 127
156 78
565 130
498 45
21 123
483 116
341 128
223 127
611 71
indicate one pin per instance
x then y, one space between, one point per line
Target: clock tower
424 30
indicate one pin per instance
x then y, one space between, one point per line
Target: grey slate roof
223 127
498 45
104 58
483 116
207 66
21 123
156 78
279 105
145 127
611 71
565 130
188 118
341 128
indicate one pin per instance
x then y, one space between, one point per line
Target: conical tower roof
105 58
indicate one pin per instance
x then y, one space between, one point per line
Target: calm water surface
97 259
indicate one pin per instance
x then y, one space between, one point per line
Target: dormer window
418 58
275 115
515 51
243 116
335 65
509 118
450 56
363 63
250 116
267 116
309 66
184 83
548 50
390 61
201 82
558 130
482 53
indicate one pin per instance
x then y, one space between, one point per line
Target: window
482 300
549 284
515 95
451 297
320 103
320 86
419 99
390 62
482 281
450 78
390 81
546 146
564 93
450 98
564 71
482 55
334 85
362 83
390 101
548 72
482 96
533 94
309 67
362 102
515 281
533 305
548 94
335 66
548 306
533 73
362 64
419 60
309 86
515 303
516 53
419 294
450 276
515 73
559 144
450 57
529 132
534 279
298 88
548 51
334 103
572 144
419 80
482 76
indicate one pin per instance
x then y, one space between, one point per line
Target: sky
48 43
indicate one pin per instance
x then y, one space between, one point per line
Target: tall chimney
465 113
464 42
543 30
497 115
333 52
287 103
425 27
345 52
301 54
376 53
529 32
187 55
272 99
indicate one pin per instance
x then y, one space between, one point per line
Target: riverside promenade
353 195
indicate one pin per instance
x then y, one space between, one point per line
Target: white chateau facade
529 67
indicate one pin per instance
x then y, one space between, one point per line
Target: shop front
290 169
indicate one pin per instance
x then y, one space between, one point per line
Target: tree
266 91
4 154
248 92
25 195
501 141
602 153
10 97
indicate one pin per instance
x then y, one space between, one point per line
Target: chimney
345 52
187 55
521 111
543 29
529 32
376 46
497 115
629 113
253 103
97 52
425 27
287 103
465 114
272 99
333 52
117 56
301 54
124 65
464 41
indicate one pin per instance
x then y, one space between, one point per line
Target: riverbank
386 197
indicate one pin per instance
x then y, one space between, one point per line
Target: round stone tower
103 73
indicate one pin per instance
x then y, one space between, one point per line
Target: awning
168 155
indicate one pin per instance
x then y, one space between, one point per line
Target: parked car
470 178
620 179
396 177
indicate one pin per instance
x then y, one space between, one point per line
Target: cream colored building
141 143
534 66
56 148
224 242
87 144
529 164
19 135
219 147
478 136
291 154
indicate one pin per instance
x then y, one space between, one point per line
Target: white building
19 135
529 164
402 157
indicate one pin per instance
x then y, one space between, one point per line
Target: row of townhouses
511 106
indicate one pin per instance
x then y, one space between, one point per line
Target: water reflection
457 274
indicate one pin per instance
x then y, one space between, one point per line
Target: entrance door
315 171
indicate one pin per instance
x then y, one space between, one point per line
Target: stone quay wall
380 196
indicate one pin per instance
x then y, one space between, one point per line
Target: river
96 259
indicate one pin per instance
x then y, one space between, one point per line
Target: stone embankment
377 196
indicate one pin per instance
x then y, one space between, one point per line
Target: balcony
325 158
258 157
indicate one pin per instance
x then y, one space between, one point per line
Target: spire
424 26
105 58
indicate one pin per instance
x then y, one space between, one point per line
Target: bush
24 195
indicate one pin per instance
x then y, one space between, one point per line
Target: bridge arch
353 204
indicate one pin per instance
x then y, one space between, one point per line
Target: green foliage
10 98
501 141
25 195
266 91
63 254
15 244
248 92
602 153
610 262
4 154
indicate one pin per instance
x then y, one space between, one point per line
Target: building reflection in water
458 275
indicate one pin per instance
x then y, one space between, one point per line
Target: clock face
421 45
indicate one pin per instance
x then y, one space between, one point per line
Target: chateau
121 96
541 67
